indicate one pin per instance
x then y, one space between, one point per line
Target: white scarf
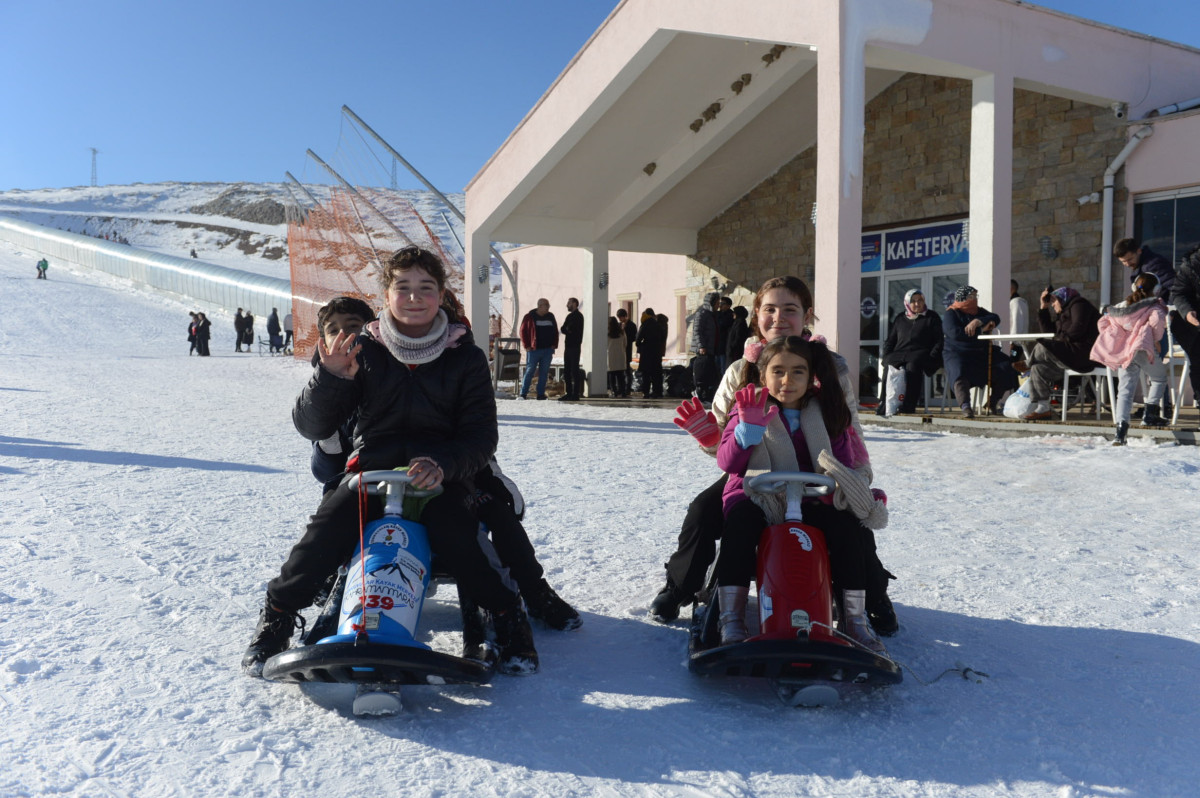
414 351
777 453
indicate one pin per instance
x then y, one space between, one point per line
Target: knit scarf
777 453
414 351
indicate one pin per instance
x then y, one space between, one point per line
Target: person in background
572 330
651 343
1141 259
914 346
703 346
539 336
43 266
1018 320
724 325
1129 343
203 333
966 357
239 330
630 329
192 333
1185 325
248 333
287 331
1075 329
273 331
738 334
616 359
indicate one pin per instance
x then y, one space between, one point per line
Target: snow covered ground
146 497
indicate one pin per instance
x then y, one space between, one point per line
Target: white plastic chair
1098 387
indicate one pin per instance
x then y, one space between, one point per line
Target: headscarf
966 298
908 311
1064 294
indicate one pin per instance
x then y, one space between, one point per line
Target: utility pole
95 152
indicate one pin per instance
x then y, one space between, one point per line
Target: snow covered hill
146 497
239 225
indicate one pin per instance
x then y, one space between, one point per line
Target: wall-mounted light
813 216
482 273
1048 252
604 279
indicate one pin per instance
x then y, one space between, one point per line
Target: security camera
1120 110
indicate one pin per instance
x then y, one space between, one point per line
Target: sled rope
970 674
361 626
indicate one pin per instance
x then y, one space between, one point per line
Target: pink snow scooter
798 645
376 606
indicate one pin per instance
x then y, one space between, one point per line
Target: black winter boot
514 638
1151 417
879 607
543 603
1122 431
271 636
476 645
665 606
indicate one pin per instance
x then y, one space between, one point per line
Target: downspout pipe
1106 238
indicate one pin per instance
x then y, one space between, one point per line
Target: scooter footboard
373 663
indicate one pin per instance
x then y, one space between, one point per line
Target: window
1168 223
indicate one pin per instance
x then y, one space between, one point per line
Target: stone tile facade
916 168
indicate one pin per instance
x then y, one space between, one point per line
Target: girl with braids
797 421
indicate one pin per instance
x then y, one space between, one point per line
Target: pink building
867 146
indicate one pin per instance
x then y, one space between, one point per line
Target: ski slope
146 497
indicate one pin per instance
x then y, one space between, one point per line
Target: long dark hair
614 327
824 387
1143 288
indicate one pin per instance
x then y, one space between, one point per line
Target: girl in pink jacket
1130 333
797 421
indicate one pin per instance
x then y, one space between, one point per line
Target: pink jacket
1126 330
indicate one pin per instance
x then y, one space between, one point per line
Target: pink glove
698 422
752 409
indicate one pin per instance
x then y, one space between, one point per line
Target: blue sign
872 252
932 245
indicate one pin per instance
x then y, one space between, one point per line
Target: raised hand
698 422
752 406
340 358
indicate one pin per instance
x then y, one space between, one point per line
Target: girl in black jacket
423 398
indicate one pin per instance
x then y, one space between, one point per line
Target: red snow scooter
798 645
366 633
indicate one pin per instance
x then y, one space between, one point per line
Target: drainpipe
1106 238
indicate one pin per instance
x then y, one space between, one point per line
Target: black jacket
1075 331
915 342
1185 292
445 409
572 330
650 340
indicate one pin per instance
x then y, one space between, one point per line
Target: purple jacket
734 460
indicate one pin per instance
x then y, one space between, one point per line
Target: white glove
853 492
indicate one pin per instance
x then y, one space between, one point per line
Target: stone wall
916 167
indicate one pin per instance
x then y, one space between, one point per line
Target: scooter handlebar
778 481
400 479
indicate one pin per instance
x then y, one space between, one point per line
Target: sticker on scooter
802 536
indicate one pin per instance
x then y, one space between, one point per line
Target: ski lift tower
95 152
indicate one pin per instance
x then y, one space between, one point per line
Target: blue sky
231 91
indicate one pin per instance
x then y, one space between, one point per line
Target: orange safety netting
338 249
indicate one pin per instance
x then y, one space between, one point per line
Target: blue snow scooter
382 591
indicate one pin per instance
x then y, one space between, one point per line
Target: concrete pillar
594 307
840 114
991 191
476 294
